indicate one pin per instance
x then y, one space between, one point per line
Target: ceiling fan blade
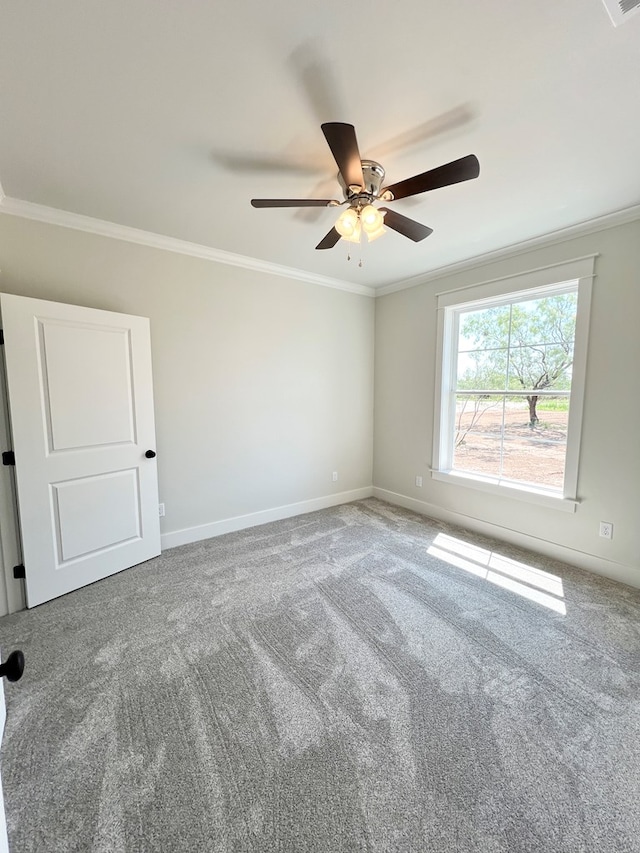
329 240
403 225
317 78
451 173
238 162
342 141
439 124
314 214
291 202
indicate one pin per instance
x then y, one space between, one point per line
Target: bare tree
527 346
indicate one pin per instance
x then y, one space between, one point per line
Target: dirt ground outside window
529 455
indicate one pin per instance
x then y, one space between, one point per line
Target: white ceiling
165 115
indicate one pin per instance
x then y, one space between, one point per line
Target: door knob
150 454
13 667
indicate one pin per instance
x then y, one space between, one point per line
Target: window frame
576 274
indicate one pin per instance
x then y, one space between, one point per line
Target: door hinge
1 337
8 457
19 572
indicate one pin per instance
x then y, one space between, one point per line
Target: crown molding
581 229
79 222
103 228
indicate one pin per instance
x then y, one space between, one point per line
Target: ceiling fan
362 185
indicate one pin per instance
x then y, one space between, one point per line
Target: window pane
548 320
540 366
535 440
484 329
478 436
483 369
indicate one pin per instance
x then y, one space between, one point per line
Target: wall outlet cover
606 530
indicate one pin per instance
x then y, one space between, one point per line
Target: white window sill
529 494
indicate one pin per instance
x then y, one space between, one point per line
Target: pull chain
349 252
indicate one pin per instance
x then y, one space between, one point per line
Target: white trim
241 522
564 271
12 598
3 720
78 222
554 278
578 383
582 559
581 229
507 490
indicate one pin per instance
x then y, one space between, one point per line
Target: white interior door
81 407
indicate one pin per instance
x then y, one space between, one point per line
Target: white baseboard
597 565
240 522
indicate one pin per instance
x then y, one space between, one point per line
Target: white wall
609 477
263 385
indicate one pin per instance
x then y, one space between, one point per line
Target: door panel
81 407
78 531
87 402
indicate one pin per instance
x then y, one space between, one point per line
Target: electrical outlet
334 476
606 530
419 481
161 510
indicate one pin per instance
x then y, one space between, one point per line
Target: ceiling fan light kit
356 219
362 185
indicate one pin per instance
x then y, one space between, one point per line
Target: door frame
12 594
4 843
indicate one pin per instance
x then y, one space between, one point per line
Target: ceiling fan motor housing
373 174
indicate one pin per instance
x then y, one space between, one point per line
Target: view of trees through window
513 387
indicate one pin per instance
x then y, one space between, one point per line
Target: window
512 363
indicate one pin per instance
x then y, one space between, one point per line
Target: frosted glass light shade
373 235
371 218
347 223
355 236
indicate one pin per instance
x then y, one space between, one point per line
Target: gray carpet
356 679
